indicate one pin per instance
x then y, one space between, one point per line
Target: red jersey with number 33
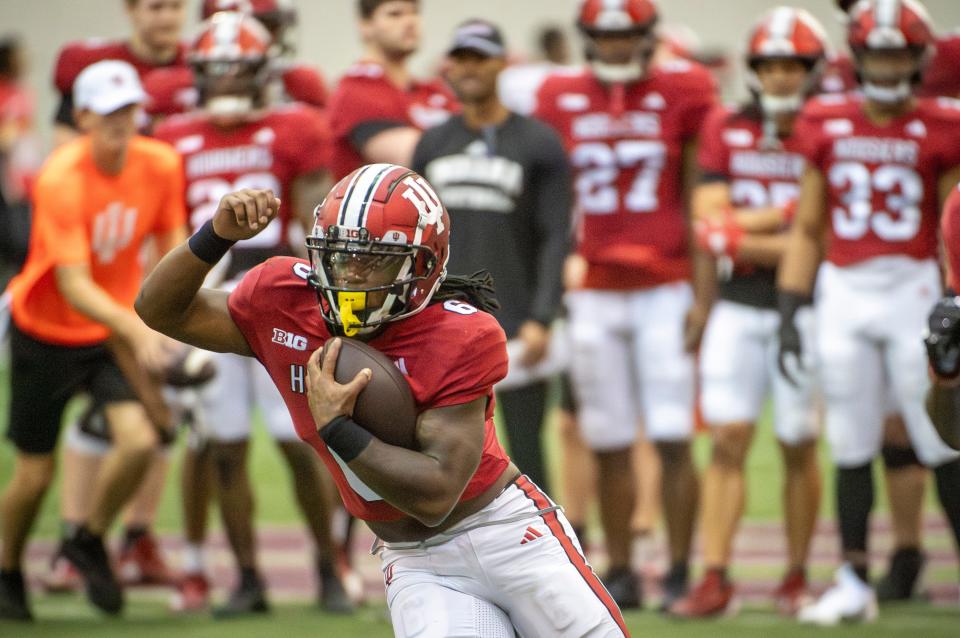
626 144
882 181
269 152
450 353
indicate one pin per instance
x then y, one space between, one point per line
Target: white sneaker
850 599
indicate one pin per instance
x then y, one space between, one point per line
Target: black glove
790 343
943 338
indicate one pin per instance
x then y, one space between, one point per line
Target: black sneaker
675 584
13 597
332 597
250 597
624 587
901 578
86 552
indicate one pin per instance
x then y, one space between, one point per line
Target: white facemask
617 73
888 94
777 105
229 105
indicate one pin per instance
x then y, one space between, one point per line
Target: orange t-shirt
82 216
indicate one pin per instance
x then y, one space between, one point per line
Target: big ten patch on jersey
476 179
883 181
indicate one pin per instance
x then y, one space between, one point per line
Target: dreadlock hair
476 289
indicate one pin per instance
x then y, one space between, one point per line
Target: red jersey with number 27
626 145
882 181
450 353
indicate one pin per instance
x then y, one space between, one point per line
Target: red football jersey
942 75
301 83
950 226
170 91
74 57
732 146
365 94
450 353
268 152
882 181
625 144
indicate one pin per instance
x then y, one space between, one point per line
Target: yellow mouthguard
348 301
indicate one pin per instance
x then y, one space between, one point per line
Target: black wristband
345 437
207 245
789 302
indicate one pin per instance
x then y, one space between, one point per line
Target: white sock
194 559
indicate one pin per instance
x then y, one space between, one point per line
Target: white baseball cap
107 86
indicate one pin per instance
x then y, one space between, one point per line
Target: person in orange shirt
97 200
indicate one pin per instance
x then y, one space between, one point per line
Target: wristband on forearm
207 245
345 437
789 302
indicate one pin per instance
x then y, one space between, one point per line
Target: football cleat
713 596
849 600
792 594
192 594
141 563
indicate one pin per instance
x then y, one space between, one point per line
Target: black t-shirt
508 191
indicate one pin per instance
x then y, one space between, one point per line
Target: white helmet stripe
356 202
782 23
346 198
887 12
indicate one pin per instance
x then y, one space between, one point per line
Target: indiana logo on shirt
113 231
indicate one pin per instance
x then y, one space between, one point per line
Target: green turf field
147 616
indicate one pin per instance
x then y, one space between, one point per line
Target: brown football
385 407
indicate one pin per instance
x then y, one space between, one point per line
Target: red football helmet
599 18
229 58
890 25
278 16
378 248
786 33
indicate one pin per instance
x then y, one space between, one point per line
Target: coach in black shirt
506 182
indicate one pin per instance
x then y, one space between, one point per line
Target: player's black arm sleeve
427 484
553 196
366 131
173 302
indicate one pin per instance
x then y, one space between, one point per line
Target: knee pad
896 457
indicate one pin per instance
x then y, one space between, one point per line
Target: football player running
751 165
451 516
237 140
879 166
630 130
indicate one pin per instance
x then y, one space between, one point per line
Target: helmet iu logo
112 231
428 205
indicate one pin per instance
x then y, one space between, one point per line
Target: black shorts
44 377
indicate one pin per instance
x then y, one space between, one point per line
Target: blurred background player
751 167
153 43
630 131
236 140
505 181
173 90
97 200
519 82
20 156
378 110
881 164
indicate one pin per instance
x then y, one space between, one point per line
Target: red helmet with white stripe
378 249
889 26
600 16
791 34
278 16
622 18
229 59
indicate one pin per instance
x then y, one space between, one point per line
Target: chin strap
347 302
617 73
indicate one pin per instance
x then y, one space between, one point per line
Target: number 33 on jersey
882 181
625 144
